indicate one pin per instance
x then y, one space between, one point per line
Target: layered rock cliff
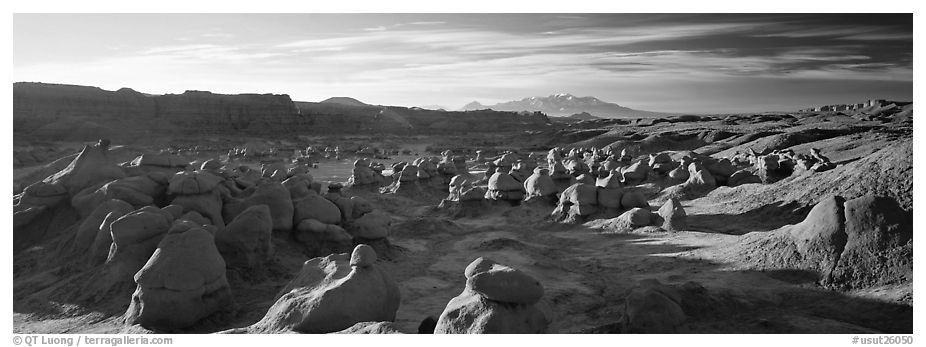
69 112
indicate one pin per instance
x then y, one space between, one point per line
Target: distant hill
434 107
561 105
475 105
343 100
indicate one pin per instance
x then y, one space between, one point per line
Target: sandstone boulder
673 215
475 311
246 241
330 295
316 207
540 184
182 283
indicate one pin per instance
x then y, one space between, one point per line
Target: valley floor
585 272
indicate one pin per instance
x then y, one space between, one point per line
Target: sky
693 63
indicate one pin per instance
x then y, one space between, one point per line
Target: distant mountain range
561 105
434 107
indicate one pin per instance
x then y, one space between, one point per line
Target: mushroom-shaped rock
673 215
579 199
316 207
182 283
580 194
363 256
329 295
502 283
475 311
502 186
540 184
246 242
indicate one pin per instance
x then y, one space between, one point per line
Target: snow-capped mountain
564 104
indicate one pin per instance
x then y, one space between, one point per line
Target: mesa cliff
70 112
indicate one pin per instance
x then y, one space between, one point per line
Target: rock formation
245 242
333 293
497 299
182 283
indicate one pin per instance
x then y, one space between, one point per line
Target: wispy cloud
843 32
445 62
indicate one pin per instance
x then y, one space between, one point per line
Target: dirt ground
586 272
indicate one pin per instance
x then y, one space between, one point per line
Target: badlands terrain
208 213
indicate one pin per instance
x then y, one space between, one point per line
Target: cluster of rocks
425 174
591 183
779 164
670 217
349 293
174 226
